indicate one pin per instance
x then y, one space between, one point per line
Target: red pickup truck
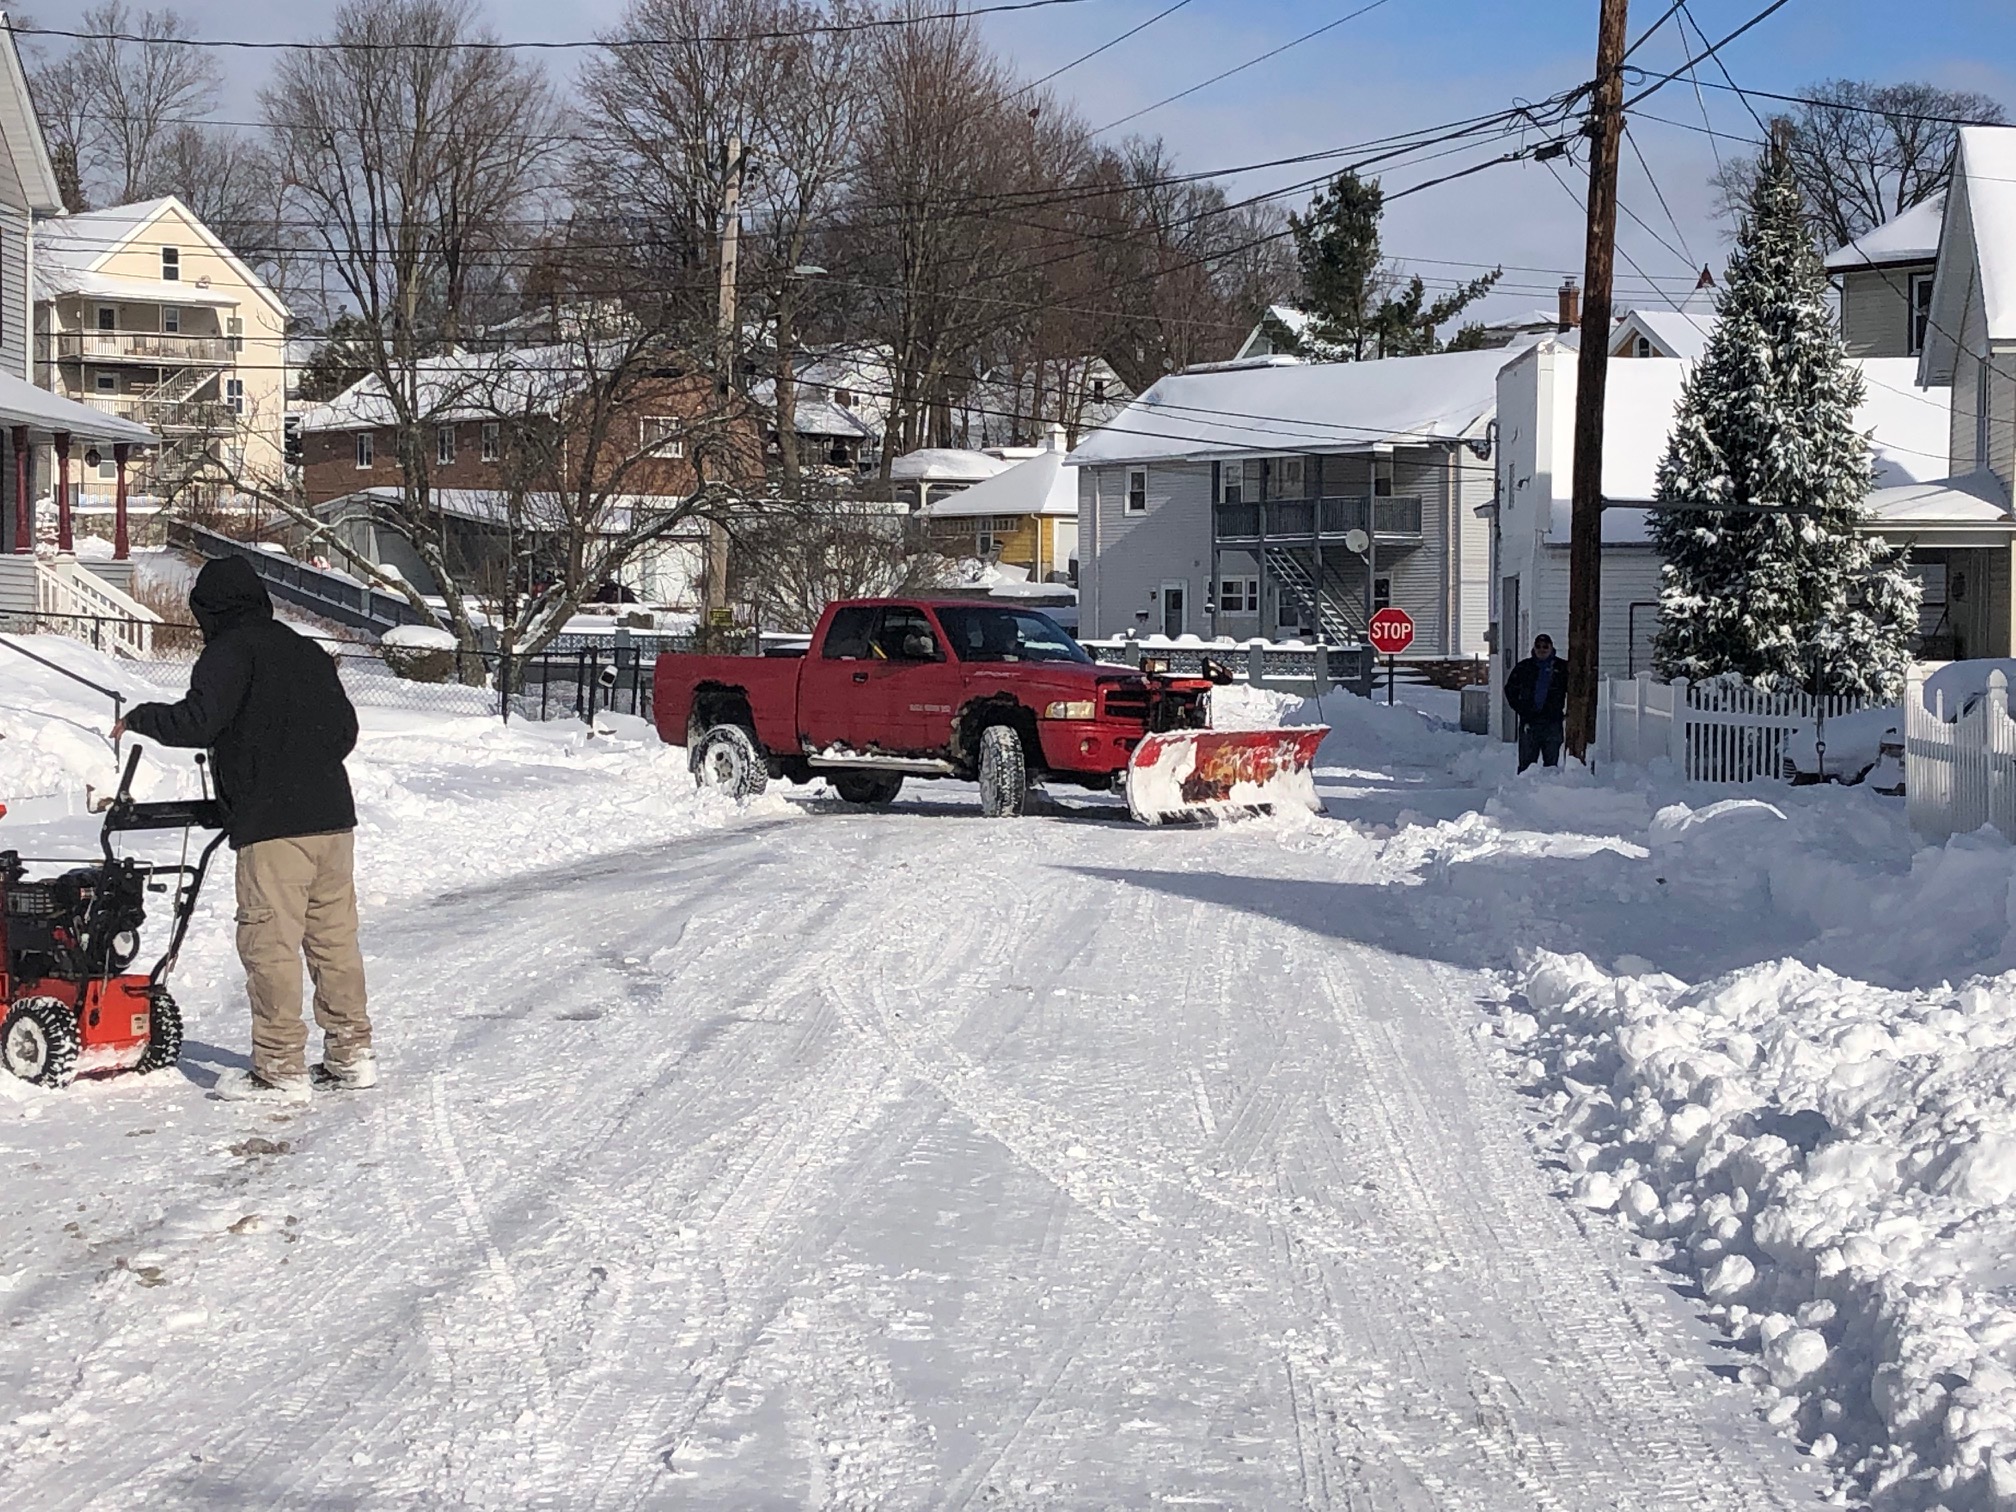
890 688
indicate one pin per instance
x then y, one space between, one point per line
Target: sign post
1391 632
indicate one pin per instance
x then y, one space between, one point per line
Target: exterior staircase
62 595
1338 611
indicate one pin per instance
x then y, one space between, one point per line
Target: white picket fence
1714 732
1960 764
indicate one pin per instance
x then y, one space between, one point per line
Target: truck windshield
1007 635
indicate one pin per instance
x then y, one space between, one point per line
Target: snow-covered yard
1489 1143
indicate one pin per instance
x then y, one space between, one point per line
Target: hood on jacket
227 594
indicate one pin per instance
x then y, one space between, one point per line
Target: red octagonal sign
1392 631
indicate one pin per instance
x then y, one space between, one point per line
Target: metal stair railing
1324 607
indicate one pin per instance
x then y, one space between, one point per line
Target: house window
1921 310
108 318
108 470
659 435
171 320
234 330
234 395
1098 390
1284 477
1382 477
842 398
1644 346
490 446
171 265
444 444
1382 593
1239 595
1241 482
106 383
364 449
1137 490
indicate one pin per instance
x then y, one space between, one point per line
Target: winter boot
250 1086
355 1074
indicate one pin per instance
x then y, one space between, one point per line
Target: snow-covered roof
1302 407
462 385
1672 333
1977 250
486 506
47 414
71 251
944 464
1976 498
812 414
1038 485
1909 438
1912 237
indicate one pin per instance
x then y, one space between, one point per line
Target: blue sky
1407 64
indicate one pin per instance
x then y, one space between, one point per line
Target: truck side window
847 636
907 636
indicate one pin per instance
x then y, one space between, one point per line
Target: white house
1282 498
1535 466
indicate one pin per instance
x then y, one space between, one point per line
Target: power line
1687 17
1651 31
491 44
1184 94
1132 31
1896 115
1659 194
1757 20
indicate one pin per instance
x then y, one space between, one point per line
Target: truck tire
868 787
727 760
1004 773
39 1041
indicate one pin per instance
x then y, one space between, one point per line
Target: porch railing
143 346
1396 518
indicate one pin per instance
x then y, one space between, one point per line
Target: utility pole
1585 529
716 590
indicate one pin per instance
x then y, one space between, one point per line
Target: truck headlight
1070 708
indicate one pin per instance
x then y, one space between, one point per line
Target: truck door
840 696
922 691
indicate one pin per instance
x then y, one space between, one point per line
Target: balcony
150 347
210 416
1397 519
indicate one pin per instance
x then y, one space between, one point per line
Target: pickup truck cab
895 688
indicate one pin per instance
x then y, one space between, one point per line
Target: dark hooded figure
268 705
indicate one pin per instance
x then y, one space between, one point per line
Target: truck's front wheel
1004 773
726 760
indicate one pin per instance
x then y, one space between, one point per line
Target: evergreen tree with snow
1766 576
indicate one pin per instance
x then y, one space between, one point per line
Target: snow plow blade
1188 774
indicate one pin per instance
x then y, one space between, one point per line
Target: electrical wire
1132 31
1660 83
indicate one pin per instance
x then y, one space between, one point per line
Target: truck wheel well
1002 708
717 704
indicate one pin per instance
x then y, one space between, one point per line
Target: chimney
1571 306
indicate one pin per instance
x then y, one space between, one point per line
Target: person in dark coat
1537 690
268 705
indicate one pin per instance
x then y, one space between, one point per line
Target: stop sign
1392 631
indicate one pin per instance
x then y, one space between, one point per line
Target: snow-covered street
806 1155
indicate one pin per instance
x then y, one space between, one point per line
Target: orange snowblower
66 941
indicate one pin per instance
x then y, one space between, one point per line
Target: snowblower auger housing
70 1003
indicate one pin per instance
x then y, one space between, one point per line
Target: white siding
1133 555
1473 569
15 311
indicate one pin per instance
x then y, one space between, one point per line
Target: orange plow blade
1220 773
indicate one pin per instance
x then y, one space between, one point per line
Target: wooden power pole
716 588
1585 528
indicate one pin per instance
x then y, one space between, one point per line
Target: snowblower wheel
1004 773
164 1034
40 1043
726 759
868 787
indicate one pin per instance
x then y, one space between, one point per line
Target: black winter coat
1520 684
269 706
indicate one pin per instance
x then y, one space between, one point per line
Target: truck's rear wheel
39 1041
726 760
868 787
1004 773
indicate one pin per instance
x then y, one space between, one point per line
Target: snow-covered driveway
860 1160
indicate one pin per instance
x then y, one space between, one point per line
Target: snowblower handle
185 813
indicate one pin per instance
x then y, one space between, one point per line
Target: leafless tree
229 181
414 158
1864 153
796 556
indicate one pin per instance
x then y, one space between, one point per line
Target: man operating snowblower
268 705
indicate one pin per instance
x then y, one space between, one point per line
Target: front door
1175 609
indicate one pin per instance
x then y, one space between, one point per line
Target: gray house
1885 279
1278 498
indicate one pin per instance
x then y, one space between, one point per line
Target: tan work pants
298 896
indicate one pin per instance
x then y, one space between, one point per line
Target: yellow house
1025 516
143 313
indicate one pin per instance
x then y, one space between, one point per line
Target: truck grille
1125 701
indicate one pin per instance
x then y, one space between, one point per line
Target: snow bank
1833 1163
418 638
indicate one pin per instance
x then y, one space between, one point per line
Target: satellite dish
1357 541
